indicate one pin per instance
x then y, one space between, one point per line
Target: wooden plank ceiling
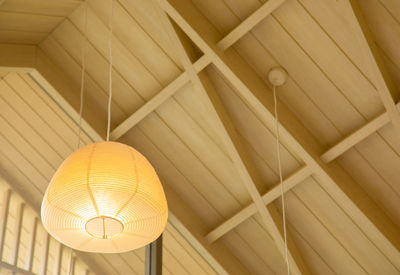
201 112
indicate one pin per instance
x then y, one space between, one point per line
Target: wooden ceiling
193 97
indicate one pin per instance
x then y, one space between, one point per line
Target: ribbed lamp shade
105 197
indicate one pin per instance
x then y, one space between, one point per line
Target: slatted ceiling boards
93 93
341 113
203 208
320 238
329 90
195 106
134 261
349 82
196 260
349 235
321 267
29 115
384 24
241 249
143 83
126 97
56 117
191 166
213 159
143 11
171 174
45 7
253 232
158 63
329 15
29 22
250 127
368 169
205 191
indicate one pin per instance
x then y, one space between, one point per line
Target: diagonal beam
384 84
250 22
241 160
336 182
357 136
271 195
199 65
250 178
156 101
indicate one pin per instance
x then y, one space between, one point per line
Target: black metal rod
154 258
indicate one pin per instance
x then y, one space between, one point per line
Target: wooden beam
31 252
271 195
250 87
383 82
183 219
249 23
356 137
156 101
199 65
241 160
4 219
250 178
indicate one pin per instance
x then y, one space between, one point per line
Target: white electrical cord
110 72
82 74
278 151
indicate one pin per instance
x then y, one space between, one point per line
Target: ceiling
194 98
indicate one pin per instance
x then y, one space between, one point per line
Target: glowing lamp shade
105 197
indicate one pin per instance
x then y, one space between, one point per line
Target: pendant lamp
106 196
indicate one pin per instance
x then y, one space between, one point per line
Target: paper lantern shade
105 197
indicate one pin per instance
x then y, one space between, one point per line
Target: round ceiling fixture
105 197
277 76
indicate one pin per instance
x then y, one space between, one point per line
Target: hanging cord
278 151
110 72
82 74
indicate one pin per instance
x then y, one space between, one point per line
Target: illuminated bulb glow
105 197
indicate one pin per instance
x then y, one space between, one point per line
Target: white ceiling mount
277 76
